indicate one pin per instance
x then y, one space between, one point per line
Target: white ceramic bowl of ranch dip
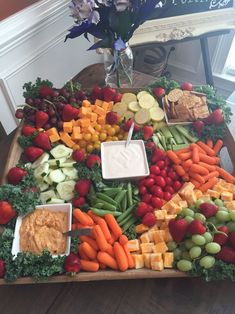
121 162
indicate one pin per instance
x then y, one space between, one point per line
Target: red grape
19 114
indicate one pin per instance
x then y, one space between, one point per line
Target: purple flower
84 10
122 5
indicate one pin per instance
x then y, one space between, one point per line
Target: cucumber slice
47 196
66 190
43 186
68 163
142 93
57 162
156 104
47 179
157 114
61 151
57 176
71 173
41 171
142 116
128 97
134 106
146 101
40 160
56 201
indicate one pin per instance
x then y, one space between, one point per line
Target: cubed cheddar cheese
158 236
86 103
230 205
187 186
98 102
164 225
205 197
198 193
168 259
84 123
90 129
100 111
83 112
110 106
167 236
160 247
68 127
141 228
160 214
169 217
156 262
53 135
133 245
146 247
213 193
190 197
67 139
147 260
139 260
76 147
174 208
101 120
76 135
151 233
183 204
176 198
226 196
93 117
105 105
144 238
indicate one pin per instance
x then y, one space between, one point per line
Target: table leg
206 61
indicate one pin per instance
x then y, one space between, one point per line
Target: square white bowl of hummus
124 162
44 228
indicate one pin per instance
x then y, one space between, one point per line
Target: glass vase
118 66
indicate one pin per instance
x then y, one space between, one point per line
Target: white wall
32 45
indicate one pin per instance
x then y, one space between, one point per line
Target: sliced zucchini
57 176
142 116
66 190
41 171
56 201
71 173
134 106
40 160
146 101
47 196
157 114
57 162
61 151
140 94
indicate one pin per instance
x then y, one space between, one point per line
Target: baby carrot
218 146
120 256
109 250
102 223
195 183
195 155
123 239
173 157
89 266
208 159
187 164
226 175
100 238
199 169
197 177
83 218
90 241
107 260
209 143
185 156
209 184
113 225
82 253
179 170
112 239
88 250
131 263
199 148
209 167
213 174
182 150
206 148
186 177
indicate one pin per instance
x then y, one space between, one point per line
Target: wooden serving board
14 155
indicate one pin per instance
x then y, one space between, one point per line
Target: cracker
175 94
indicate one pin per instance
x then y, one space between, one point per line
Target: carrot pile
199 164
106 247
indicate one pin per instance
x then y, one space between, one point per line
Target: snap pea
130 222
102 212
135 191
126 213
112 192
98 205
106 205
122 222
123 203
92 191
106 198
129 194
119 197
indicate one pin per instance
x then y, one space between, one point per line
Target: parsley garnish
32 90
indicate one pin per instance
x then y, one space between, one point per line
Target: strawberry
45 91
142 209
226 254
149 220
42 140
221 238
111 117
128 124
150 146
231 238
178 229
108 93
72 263
6 212
15 175
32 153
159 92
196 227
117 97
69 113
216 117
97 93
2 268
82 187
93 160
198 127
187 86
148 132
78 155
41 118
158 154
78 201
27 130
208 210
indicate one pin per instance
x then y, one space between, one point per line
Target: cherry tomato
156 202
169 189
157 191
143 190
151 176
147 198
160 181
149 182
173 175
167 196
142 209
154 169
169 181
167 161
158 154
150 145
161 164
163 173
177 185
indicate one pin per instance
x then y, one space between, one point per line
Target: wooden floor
152 296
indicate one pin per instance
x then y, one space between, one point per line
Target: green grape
189 219
185 255
171 245
207 262
213 220
189 244
212 248
208 236
187 212
211 202
184 265
177 254
231 226
198 239
222 215
223 208
232 215
193 207
195 252
199 202
218 202
200 217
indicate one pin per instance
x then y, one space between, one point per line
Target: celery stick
186 133
179 146
166 132
177 136
157 142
